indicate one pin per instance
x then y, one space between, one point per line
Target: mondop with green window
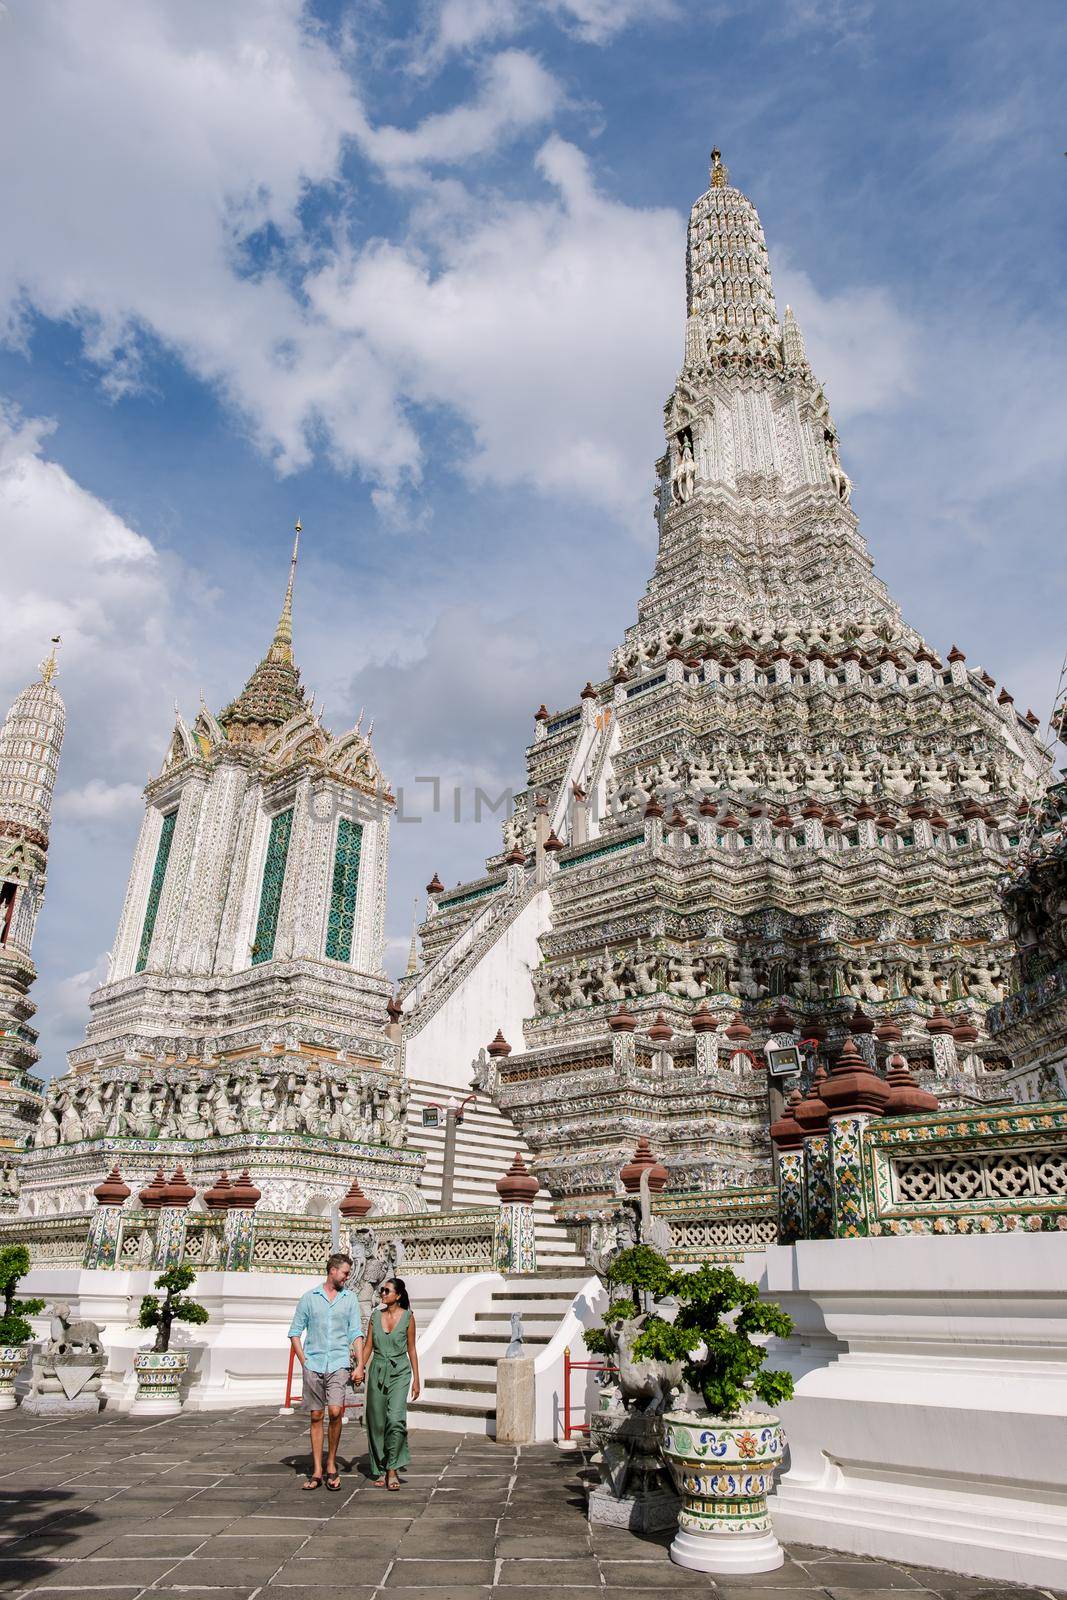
249 947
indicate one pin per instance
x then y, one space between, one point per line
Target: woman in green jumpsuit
392 1366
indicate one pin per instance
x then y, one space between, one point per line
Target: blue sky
415 273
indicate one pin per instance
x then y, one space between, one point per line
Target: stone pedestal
515 1400
12 1359
635 1491
65 1385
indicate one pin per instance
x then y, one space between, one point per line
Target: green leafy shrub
711 1334
174 1307
14 1264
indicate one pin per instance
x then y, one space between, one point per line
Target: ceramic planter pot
723 1471
12 1357
159 1382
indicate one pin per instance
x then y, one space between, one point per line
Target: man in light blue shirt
328 1318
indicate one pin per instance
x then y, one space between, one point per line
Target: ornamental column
514 1235
854 1093
104 1242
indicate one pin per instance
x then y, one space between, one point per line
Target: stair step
503 1339
463 1385
453 1408
527 1316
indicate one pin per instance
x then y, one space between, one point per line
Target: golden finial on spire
49 667
720 175
282 647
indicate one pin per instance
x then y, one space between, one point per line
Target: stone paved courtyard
211 1505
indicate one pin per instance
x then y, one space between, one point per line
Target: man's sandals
313 1482
333 1481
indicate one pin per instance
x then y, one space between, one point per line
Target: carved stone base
57 1405
641 1513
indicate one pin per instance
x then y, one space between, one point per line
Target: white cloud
549 325
516 92
598 21
98 801
155 145
71 566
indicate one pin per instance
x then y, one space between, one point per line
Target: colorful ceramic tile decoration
818 1171
159 872
791 1215
342 916
850 1206
270 898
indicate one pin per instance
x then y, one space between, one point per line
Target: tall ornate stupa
30 742
779 813
243 1021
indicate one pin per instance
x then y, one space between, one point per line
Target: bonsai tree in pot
15 1330
723 1453
160 1370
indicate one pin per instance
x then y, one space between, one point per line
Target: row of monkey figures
853 774
694 634
192 1104
930 976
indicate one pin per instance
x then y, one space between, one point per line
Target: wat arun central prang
779 801
776 812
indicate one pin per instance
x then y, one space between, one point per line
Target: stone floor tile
838 1593
15 1575
241 1593
146 1546
439 1573
863 1575
207 1571
277 1547
578 1591
790 1575
280 1591
447 1591
128 1593
653 1576
416 1547
563 1573
563 1540
725 1585
179 1522
323 1575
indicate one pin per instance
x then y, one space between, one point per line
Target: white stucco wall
497 993
929 1423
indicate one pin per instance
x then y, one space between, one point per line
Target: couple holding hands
328 1340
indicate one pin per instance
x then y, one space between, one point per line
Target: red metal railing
570 1428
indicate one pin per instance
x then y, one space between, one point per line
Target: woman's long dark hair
401 1292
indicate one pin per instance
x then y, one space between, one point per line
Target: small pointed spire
720 175
413 948
282 647
792 340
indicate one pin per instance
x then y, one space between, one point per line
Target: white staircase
486 1142
462 1396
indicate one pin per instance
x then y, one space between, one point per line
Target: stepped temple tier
30 742
244 1018
776 811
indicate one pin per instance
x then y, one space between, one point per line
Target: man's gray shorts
322 1389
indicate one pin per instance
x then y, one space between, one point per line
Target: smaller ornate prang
112 1191
220 1195
518 1186
355 1203
640 1162
151 1196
